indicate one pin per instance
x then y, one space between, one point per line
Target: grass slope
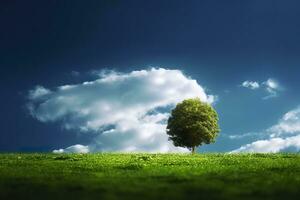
149 176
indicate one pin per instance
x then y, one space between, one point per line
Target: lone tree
193 123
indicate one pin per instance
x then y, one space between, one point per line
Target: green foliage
149 176
193 123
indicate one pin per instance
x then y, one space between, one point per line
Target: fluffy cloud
272 145
289 124
125 111
285 135
251 85
271 86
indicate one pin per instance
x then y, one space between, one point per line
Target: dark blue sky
219 43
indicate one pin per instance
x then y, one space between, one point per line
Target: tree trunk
193 150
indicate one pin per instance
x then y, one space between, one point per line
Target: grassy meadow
149 176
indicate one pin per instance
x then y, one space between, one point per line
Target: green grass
149 176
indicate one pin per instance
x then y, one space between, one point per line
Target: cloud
289 124
78 148
253 85
38 93
240 136
125 111
271 86
283 136
272 145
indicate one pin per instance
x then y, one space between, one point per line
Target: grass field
149 176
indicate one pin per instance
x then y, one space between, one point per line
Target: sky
103 75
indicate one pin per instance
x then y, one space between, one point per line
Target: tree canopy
193 123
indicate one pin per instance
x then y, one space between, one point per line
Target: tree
193 123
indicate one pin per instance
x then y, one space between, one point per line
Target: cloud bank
272 145
125 111
283 136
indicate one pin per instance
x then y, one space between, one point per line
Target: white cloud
272 145
271 86
38 92
253 85
285 135
127 111
240 136
289 124
78 148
